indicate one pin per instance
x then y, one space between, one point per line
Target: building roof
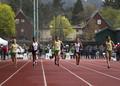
103 30
77 27
117 29
94 14
21 11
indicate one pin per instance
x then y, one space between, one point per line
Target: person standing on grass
108 47
78 46
13 48
57 50
34 50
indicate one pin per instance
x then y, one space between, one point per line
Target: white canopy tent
3 42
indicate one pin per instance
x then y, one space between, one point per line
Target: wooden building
98 20
24 27
94 24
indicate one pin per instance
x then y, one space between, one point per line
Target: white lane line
77 76
43 71
13 74
97 72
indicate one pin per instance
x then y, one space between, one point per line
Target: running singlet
35 46
57 45
77 47
14 48
109 45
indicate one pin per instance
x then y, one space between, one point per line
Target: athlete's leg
15 60
33 55
77 59
107 59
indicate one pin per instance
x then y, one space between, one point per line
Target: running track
45 73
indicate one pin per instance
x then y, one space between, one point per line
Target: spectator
118 51
1 52
5 52
87 53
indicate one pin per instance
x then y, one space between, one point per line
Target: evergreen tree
28 8
15 4
77 12
23 4
57 6
112 3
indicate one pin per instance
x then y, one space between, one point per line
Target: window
99 21
17 21
22 30
22 20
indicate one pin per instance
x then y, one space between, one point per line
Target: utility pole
34 13
20 4
37 22
36 19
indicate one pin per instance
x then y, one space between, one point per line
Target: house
94 24
99 21
24 28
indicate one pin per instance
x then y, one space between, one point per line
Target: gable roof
103 30
94 14
117 29
20 11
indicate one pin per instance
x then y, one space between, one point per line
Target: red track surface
45 73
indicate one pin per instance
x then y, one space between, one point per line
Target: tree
23 4
28 8
46 14
77 13
89 10
117 4
15 4
7 21
61 27
89 33
112 3
117 22
112 16
58 5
